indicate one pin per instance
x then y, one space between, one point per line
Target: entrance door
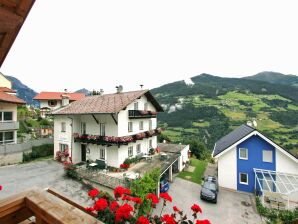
83 150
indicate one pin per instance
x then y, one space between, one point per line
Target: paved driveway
229 209
42 174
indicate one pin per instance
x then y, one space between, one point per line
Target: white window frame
62 147
145 106
266 160
4 141
102 154
141 125
102 129
244 158
150 143
130 151
139 150
245 183
130 126
2 113
83 128
136 106
63 127
150 124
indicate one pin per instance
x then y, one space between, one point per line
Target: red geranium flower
118 192
1 187
137 200
166 196
89 209
114 205
205 221
123 212
153 197
100 204
93 193
167 219
196 208
143 220
126 198
127 191
176 209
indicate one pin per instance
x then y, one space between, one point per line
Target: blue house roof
231 138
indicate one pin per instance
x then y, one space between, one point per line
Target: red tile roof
10 98
108 103
58 96
7 90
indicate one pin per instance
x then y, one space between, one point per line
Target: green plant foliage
276 216
147 184
38 152
199 149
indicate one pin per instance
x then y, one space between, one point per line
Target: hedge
38 152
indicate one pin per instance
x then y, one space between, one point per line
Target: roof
108 103
7 90
12 17
231 138
58 96
171 148
10 98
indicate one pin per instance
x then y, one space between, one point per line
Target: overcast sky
100 44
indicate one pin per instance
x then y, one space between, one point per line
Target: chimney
119 89
65 90
141 86
101 92
65 100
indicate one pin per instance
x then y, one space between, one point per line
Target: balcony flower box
140 136
144 112
150 133
158 130
153 112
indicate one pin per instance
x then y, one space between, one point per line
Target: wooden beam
116 122
95 119
17 216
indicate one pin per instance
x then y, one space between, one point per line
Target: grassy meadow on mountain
213 106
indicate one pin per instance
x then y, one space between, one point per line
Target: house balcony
113 140
138 114
9 125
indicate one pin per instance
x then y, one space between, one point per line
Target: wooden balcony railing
135 114
43 207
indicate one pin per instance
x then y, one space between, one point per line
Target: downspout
71 144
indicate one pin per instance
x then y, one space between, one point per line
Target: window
136 106
243 153
6 116
141 125
243 178
102 154
83 128
63 147
63 127
130 129
267 156
138 148
145 106
130 151
150 143
150 124
102 129
6 137
52 103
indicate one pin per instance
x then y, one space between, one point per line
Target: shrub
38 152
71 171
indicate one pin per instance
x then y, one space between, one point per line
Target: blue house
249 161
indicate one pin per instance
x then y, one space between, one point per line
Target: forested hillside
213 106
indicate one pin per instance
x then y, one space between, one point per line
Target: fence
13 153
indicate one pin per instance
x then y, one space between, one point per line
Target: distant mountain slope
213 106
24 92
86 91
275 77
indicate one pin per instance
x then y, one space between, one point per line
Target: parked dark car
209 190
164 186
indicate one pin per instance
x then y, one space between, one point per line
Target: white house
110 127
8 112
50 101
251 162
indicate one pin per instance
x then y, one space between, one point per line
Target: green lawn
198 173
